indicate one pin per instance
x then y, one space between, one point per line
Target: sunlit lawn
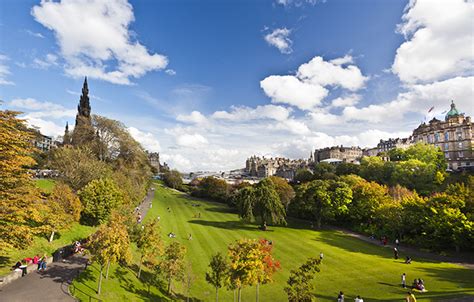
350 265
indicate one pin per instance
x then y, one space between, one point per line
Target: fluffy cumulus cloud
345 101
312 82
194 117
279 38
146 139
95 40
48 117
243 113
439 41
4 71
48 61
194 140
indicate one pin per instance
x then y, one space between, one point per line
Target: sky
209 83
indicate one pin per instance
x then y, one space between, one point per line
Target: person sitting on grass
408 260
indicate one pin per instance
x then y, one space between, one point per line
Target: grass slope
350 265
45 184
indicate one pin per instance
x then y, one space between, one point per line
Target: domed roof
453 111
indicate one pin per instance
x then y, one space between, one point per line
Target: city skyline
319 73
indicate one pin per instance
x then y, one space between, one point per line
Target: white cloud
298 3
332 73
439 41
4 71
280 39
291 90
46 127
194 117
344 101
146 139
33 104
171 72
49 60
35 34
243 113
310 85
293 126
95 40
176 161
191 140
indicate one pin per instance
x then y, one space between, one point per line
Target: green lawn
350 265
45 184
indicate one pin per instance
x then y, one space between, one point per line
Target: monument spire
84 107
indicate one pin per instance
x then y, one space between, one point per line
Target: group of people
340 298
171 235
419 284
23 264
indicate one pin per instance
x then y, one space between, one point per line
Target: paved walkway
52 284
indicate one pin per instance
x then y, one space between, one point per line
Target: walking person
321 256
404 280
340 297
358 299
410 297
395 252
397 242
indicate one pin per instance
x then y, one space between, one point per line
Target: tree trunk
51 237
169 285
100 279
318 222
234 296
258 285
107 273
140 268
240 294
217 294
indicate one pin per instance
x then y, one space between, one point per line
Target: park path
53 284
50 285
414 253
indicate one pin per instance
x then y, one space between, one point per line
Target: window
460 145
446 146
446 136
461 154
459 134
436 136
446 154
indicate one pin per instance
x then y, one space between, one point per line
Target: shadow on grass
228 225
355 245
463 277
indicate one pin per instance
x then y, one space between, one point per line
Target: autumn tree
110 244
20 203
173 265
250 264
149 243
218 274
99 198
283 189
270 265
214 188
78 166
299 285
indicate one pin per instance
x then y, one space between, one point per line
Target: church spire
67 136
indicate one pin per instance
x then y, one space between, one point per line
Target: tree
246 264
300 287
324 171
218 275
64 207
110 244
284 190
303 175
20 202
261 202
173 179
99 198
417 175
347 169
324 199
270 265
173 265
213 188
78 166
149 243
189 278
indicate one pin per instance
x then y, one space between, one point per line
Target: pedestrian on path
395 252
404 280
397 242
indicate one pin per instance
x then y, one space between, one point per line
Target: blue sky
209 83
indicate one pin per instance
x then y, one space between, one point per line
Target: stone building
394 143
42 142
344 154
154 159
454 136
279 166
